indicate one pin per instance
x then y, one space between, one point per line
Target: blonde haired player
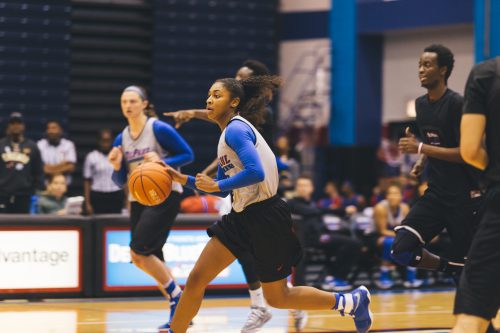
147 139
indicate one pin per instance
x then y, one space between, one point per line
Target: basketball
150 184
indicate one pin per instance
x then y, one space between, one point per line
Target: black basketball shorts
478 293
150 225
263 229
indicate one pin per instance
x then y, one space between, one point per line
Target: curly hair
251 92
444 57
257 67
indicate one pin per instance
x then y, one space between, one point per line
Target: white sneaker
413 284
256 319
300 318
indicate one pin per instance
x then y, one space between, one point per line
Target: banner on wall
181 252
40 260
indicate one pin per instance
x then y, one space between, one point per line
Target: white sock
257 298
345 303
173 290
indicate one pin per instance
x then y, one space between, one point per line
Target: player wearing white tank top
150 140
260 223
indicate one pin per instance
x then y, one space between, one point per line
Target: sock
411 273
172 289
344 303
257 298
450 267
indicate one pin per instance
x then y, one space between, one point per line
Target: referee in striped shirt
102 195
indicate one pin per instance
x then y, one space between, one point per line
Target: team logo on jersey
433 137
15 157
225 163
133 154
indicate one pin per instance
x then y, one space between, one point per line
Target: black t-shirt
267 128
482 96
21 167
439 125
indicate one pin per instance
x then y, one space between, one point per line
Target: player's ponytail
150 111
252 93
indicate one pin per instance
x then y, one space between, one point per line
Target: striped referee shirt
64 151
98 169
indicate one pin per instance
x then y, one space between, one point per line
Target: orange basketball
150 184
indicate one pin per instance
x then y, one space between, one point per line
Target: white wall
305 94
400 65
305 5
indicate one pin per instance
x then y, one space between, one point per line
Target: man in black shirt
21 168
478 296
313 233
453 196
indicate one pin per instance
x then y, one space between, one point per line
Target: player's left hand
152 157
206 183
408 144
417 170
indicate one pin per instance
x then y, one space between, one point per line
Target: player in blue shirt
260 223
147 139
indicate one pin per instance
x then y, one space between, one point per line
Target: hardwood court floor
422 312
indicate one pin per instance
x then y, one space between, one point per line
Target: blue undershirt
241 138
180 153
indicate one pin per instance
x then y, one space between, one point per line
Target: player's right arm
473 126
115 157
183 116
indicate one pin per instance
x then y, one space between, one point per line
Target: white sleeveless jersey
134 150
231 165
393 221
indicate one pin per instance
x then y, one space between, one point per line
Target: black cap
16 116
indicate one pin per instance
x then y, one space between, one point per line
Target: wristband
419 151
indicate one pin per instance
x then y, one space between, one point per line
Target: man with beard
58 153
21 168
102 195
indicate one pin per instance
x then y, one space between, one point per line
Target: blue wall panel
196 42
35 60
343 80
379 16
369 90
307 25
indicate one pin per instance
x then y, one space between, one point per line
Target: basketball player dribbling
259 311
478 296
260 222
149 140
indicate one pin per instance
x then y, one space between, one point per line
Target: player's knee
197 279
406 249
